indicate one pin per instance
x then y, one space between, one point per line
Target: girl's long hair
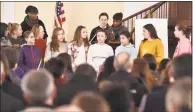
54 45
77 37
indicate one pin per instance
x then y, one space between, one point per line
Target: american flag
59 16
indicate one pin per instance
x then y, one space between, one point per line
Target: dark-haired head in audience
142 72
107 70
65 57
87 70
180 89
182 66
15 71
118 97
58 70
4 67
150 59
38 87
90 101
163 64
122 62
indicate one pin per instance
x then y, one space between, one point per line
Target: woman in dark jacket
32 19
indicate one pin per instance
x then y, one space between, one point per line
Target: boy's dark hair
86 69
31 9
150 59
182 66
118 16
104 14
127 34
12 59
56 67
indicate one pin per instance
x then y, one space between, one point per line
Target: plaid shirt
73 52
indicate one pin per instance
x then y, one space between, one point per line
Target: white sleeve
47 53
111 52
89 55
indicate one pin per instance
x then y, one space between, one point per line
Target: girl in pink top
184 44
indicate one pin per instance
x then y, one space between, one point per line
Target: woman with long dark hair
151 44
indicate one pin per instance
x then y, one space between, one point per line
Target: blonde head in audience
29 37
178 96
141 69
81 36
38 31
16 29
57 36
90 102
38 86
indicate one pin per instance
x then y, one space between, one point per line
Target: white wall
7 12
133 7
161 28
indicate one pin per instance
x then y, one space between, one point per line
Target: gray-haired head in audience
122 61
38 86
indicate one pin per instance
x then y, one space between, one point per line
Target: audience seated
83 79
57 68
65 57
106 69
175 101
118 97
8 102
91 102
38 90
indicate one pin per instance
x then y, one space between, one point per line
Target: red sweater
41 44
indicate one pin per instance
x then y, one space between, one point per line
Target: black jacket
26 26
77 84
13 90
9 103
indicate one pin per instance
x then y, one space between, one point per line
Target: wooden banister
144 10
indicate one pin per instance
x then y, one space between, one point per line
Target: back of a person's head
182 66
37 85
122 61
118 97
163 64
65 57
68 108
87 70
178 96
91 102
108 69
56 67
141 70
12 60
150 59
